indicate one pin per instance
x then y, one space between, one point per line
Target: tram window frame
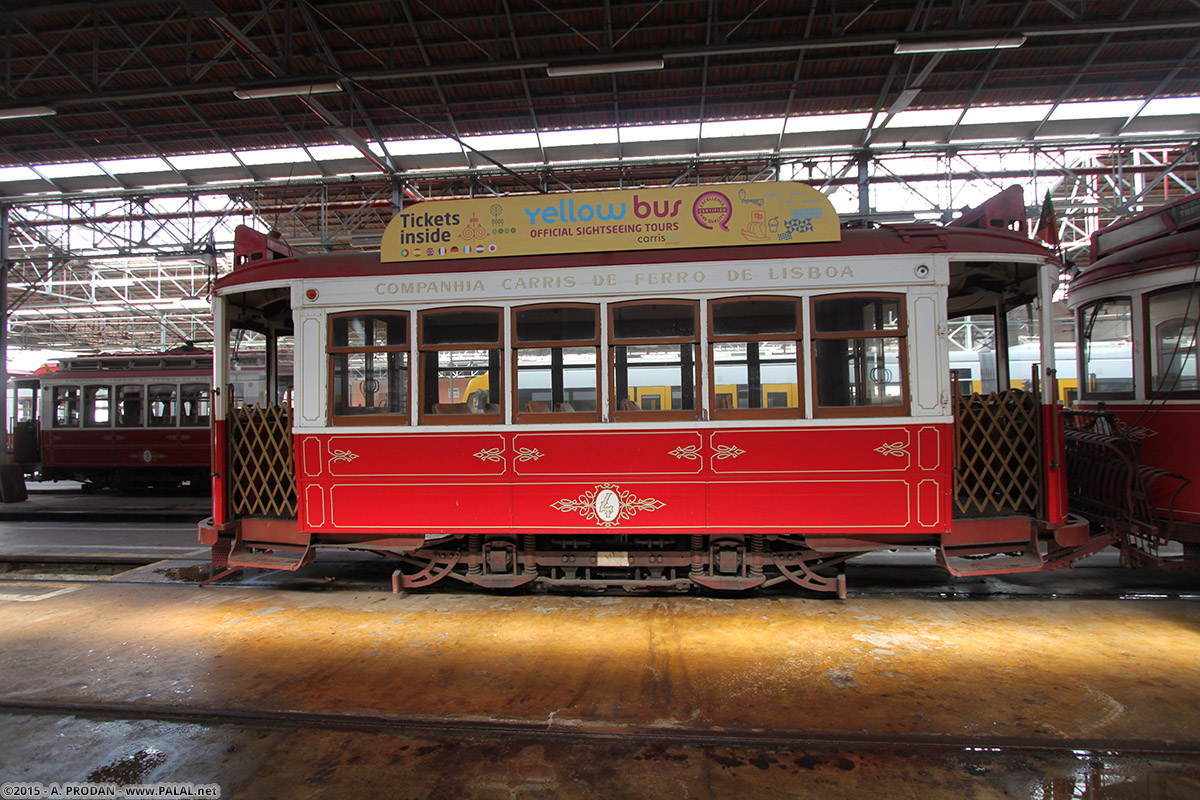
1085 341
170 420
794 336
62 396
555 411
1150 330
90 406
198 395
339 355
900 333
120 418
621 408
431 410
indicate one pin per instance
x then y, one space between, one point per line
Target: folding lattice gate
261 463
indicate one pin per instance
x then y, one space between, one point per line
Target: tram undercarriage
632 563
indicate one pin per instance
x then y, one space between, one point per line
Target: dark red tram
726 390
1135 435
119 421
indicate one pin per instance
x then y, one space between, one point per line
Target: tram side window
129 406
368 357
860 360
1173 320
193 404
66 406
654 359
162 405
756 369
461 354
1107 335
557 370
97 402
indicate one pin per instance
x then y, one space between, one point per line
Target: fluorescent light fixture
28 111
603 68
287 91
960 45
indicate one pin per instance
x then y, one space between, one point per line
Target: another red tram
119 421
651 389
1135 441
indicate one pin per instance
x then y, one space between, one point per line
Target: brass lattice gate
262 476
998 454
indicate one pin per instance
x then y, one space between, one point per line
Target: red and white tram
1141 298
726 389
120 420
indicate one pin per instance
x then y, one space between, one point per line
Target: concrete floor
863 687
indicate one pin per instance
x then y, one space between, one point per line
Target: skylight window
925 117
771 126
660 133
1168 106
1097 110
503 141
130 166
990 115
828 122
332 152
275 155
18 174
420 147
203 161
80 169
579 137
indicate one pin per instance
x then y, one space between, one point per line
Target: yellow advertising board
716 215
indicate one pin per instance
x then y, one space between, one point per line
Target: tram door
26 439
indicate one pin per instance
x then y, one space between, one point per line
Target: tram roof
1167 252
271 265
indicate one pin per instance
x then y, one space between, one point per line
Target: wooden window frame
644 415
487 418
1081 365
54 395
903 409
529 417
1150 350
399 418
739 338
84 414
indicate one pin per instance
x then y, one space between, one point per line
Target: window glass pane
370 330
462 327
556 324
370 383
248 368
66 406
859 372
1108 347
162 405
96 402
193 404
857 314
129 406
462 382
754 317
1173 331
285 367
654 321
755 375
655 377
554 379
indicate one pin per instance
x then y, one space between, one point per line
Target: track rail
554 730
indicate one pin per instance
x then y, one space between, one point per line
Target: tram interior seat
537 406
724 401
565 407
451 408
629 405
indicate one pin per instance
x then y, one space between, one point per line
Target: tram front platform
272 692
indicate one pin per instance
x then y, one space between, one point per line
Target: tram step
994 560
243 556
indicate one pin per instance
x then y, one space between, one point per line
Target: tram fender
210 531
